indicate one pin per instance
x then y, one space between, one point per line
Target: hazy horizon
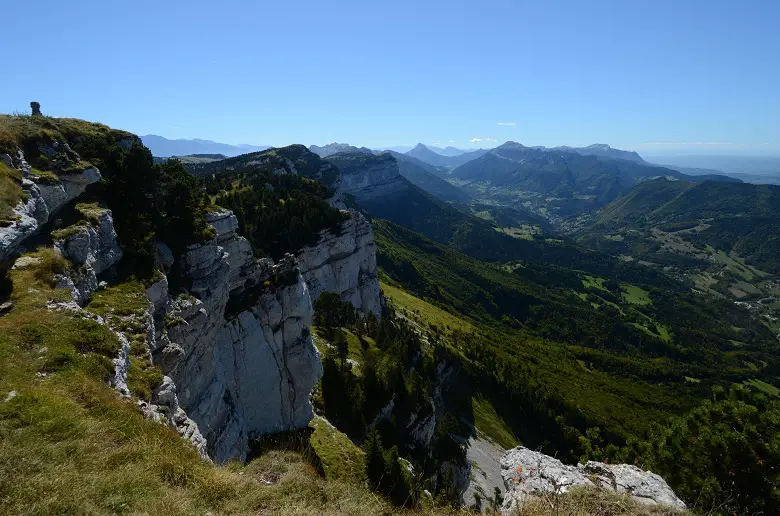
653 77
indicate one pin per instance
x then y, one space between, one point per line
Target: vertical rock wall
239 351
344 262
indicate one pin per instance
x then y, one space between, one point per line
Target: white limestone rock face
344 262
92 245
529 473
94 248
165 409
42 200
240 354
378 177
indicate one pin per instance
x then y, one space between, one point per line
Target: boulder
529 474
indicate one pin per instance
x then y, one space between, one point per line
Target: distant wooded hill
742 218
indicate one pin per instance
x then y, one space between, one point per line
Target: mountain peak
509 144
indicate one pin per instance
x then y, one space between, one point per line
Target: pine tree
396 483
375 458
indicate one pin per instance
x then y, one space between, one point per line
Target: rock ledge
528 474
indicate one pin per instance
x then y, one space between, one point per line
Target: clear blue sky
646 75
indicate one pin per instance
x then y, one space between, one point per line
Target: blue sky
656 76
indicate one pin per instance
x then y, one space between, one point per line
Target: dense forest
278 213
567 366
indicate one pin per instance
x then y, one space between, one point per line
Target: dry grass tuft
10 193
590 502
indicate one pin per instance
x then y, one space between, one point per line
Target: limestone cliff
91 245
42 198
344 262
229 332
368 177
239 350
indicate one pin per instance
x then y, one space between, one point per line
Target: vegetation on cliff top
149 201
277 213
10 193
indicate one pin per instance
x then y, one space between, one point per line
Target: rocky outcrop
344 262
92 246
367 177
42 199
239 349
165 409
528 474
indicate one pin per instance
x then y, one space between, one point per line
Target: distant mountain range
429 178
601 150
556 181
431 157
163 147
446 151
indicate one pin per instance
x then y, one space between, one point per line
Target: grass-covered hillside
585 366
597 342
64 432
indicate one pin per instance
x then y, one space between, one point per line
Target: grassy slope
29 132
10 193
70 436
428 317
341 458
67 434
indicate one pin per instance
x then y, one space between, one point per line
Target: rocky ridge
529 474
229 375
93 246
